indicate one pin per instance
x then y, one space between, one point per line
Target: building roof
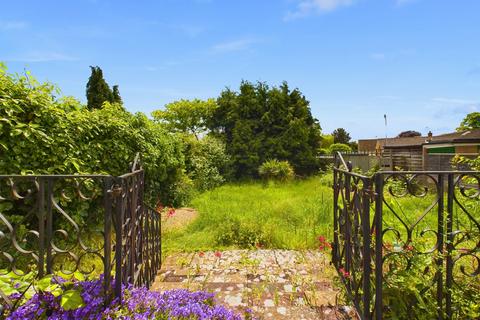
402 142
453 137
457 137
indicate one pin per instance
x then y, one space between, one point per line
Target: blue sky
418 61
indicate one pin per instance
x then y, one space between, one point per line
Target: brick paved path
275 284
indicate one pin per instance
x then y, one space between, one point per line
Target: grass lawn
290 215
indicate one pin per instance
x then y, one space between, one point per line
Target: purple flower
138 304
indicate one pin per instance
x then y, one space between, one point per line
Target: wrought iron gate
45 225
385 224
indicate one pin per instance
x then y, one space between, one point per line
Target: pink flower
344 273
218 254
171 212
324 243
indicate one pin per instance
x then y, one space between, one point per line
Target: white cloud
454 101
448 107
403 2
308 7
189 30
43 57
13 25
378 56
231 46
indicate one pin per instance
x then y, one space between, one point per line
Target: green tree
187 116
471 121
116 98
340 147
259 123
341 135
98 90
409 133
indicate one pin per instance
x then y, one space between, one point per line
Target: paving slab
274 284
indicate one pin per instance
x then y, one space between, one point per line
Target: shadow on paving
275 284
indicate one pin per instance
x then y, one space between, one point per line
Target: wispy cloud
43 57
474 71
232 46
378 56
404 2
189 30
454 101
447 107
392 55
308 7
13 25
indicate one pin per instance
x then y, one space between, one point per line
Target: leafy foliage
206 162
72 298
186 116
276 170
260 123
340 147
341 135
409 133
116 98
327 141
98 90
471 121
45 135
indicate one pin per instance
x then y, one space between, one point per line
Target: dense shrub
233 232
206 162
276 170
339 147
42 134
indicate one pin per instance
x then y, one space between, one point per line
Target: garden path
274 284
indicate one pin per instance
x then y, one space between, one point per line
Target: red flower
344 273
218 254
324 243
170 212
201 254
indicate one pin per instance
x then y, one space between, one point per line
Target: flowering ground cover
85 300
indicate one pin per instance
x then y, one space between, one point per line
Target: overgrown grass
289 215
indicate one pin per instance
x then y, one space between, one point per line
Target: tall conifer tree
116 98
98 90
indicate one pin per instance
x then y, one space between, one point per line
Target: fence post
41 226
367 189
49 226
440 243
335 218
119 192
107 231
378 246
450 248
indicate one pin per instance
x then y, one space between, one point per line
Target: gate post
366 252
378 246
335 255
